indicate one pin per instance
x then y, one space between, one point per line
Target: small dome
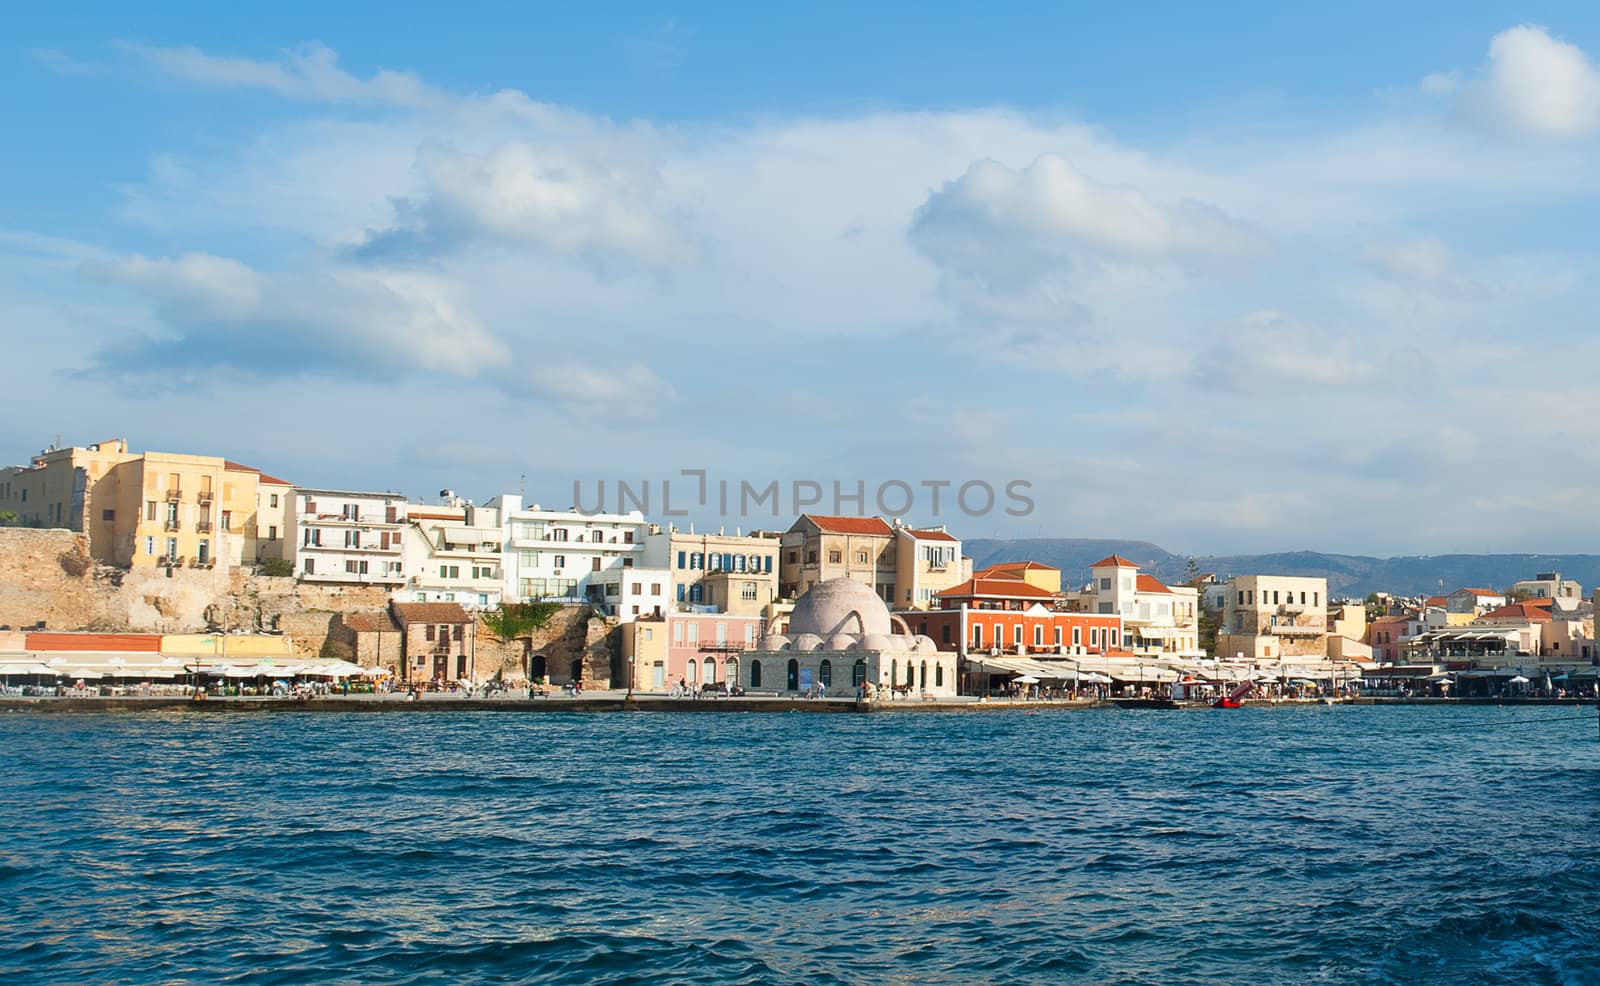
841 641
925 645
774 641
807 641
879 641
839 606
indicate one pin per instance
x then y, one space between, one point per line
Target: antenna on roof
522 487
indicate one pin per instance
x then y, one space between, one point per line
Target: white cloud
1052 212
1534 84
551 199
1268 350
309 72
219 313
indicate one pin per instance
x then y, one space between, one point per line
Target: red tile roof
261 477
1004 588
1518 611
931 535
131 643
1482 592
1114 560
1021 566
1436 601
406 613
850 525
1149 583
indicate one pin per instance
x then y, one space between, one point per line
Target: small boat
1227 702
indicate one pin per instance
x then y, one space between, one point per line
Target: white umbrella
376 672
81 673
1027 679
1518 680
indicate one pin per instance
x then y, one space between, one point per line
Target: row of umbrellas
172 667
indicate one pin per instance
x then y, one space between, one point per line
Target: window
938 675
595 567
694 633
697 560
755 674
1058 636
172 547
272 533
682 591
227 520
1038 636
149 509
560 562
682 558
429 631
722 633
449 571
273 501
655 588
627 537
861 558
558 534
747 592
825 672
834 557
203 555
149 545
108 515
677 632
977 635
649 634
311 566
1016 635
1077 636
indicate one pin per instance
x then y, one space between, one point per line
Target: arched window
711 670
536 668
938 675
755 674
730 670
577 669
826 673
894 671
911 674
692 671
793 682
924 684
858 674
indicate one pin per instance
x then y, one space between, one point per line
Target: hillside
1347 575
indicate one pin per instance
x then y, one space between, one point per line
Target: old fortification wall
48 577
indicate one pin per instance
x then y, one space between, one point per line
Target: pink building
691 648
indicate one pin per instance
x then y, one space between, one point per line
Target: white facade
1157 619
565 554
341 537
630 593
453 555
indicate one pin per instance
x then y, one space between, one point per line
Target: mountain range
1347 575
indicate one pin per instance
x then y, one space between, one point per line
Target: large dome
839 606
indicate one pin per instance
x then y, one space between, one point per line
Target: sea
1263 845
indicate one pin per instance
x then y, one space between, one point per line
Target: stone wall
48 577
573 633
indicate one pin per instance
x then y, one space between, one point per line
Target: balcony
204 526
173 496
171 525
205 497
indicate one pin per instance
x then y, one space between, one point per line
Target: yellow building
153 508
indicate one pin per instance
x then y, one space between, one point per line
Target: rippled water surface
1305 845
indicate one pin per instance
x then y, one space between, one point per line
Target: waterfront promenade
619 701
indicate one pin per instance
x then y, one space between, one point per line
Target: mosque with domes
841 635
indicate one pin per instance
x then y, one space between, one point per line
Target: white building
342 537
565 554
633 592
1157 620
453 555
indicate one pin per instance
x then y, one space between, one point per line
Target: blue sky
1243 280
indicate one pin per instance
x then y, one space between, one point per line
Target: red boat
1234 699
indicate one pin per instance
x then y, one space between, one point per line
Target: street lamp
630 677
